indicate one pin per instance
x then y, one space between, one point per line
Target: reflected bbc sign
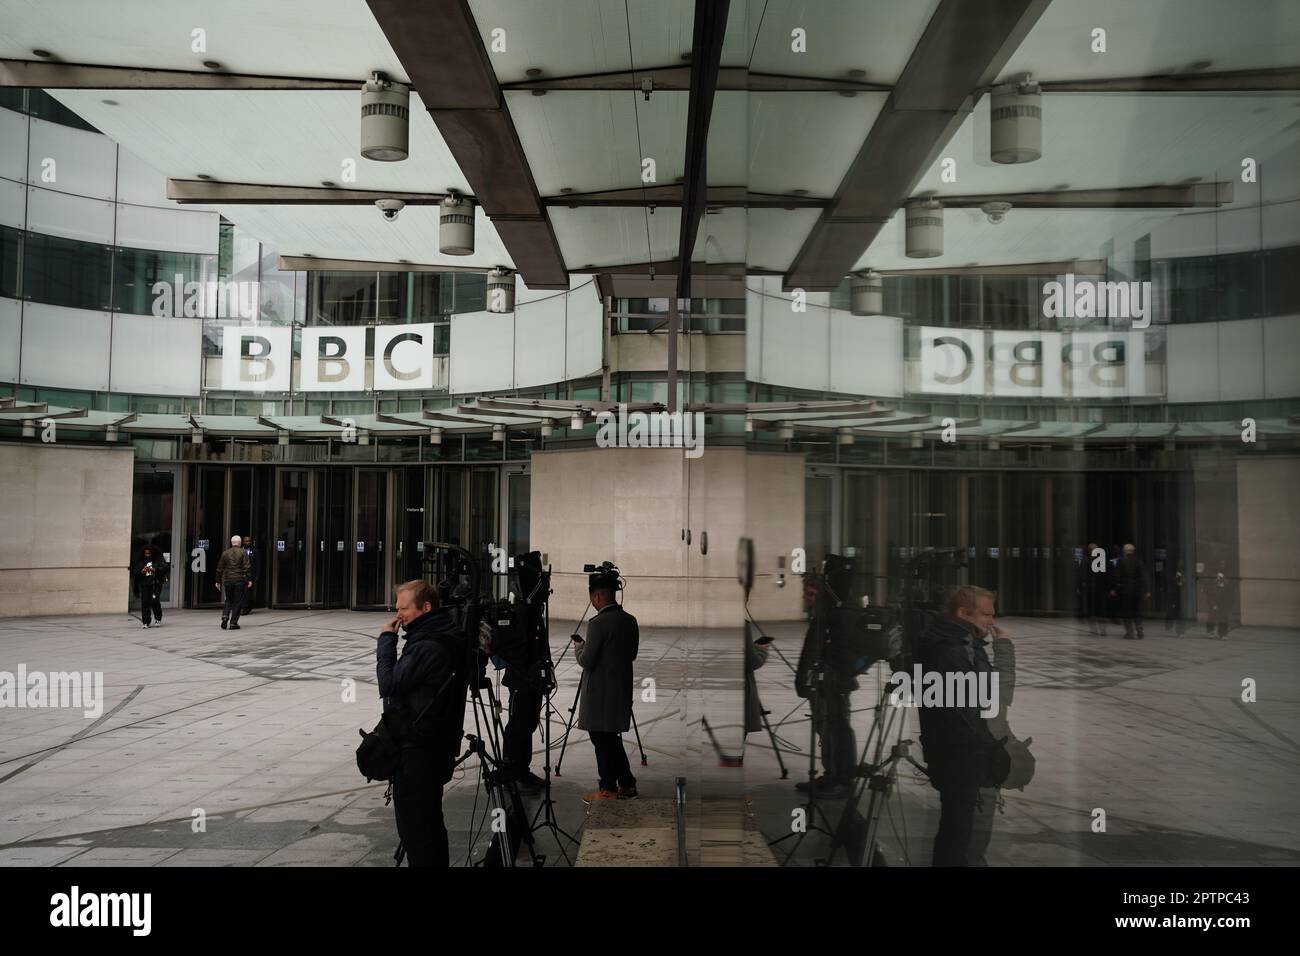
988 362
260 358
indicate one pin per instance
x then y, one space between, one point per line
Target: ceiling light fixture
866 293
924 229
500 290
455 225
385 119
1016 121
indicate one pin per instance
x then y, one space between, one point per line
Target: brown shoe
601 794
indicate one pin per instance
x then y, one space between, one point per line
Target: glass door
409 514
152 502
370 585
289 554
333 535
208 532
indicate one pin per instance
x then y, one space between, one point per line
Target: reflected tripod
879 776
814 679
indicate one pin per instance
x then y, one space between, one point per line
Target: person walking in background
254 574
150 574
232 579
1129 590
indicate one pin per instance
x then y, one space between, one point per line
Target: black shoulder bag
379 751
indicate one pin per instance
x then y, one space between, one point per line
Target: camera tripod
879 776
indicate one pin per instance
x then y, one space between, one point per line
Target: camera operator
605 711
527 694
965 761
832 705
424 694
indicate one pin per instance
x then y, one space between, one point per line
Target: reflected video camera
603 576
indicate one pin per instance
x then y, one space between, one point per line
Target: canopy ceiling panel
1027 235
578 37
615 236
1157 37
590 141
299 38
763 238
359 232
876 37
1100 141
803 140
289 138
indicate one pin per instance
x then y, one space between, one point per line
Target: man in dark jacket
605 711
822 656
1130 590
254 573
424 701
150 576
960 751
233 570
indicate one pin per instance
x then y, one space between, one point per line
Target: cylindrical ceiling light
385 119
1016 122
282 438
363 438
918 440
29 428
786 431
456 225
924 229
866 293
548 429
196 436
843 436
749 423
499 433
435 436
111 433
500 290
994 444
576 421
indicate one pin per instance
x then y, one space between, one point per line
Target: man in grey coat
605 710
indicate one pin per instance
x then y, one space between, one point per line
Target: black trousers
150 606
611 760
234 603
839 746
525 715
247 604
417 803
956 823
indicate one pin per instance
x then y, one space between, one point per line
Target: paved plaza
253 729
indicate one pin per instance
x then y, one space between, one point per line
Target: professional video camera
606 573
511 629
859 634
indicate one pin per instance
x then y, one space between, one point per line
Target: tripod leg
637 730
573 709
776 749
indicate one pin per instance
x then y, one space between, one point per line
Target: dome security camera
390 208
996 211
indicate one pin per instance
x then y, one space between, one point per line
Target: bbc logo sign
334 358
1103 364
